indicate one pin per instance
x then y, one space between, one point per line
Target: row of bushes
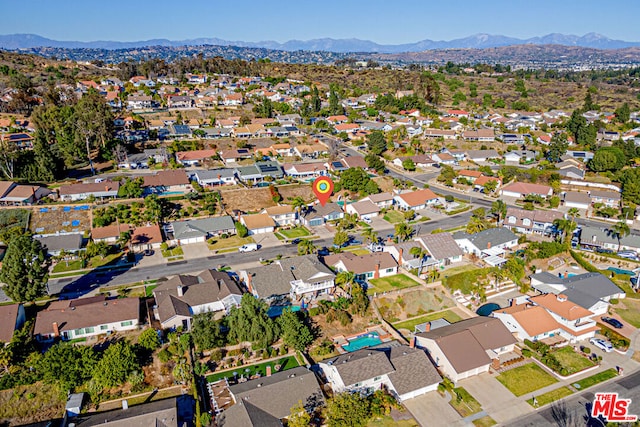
583 262
617 340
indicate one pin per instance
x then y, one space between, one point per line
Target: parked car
632 255
604 251
323 251
602 344
249 247
295 241
613 322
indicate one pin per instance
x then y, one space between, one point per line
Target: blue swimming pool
276 310
621 271
362 341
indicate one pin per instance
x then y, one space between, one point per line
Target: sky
382 21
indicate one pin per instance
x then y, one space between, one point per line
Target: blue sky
382 21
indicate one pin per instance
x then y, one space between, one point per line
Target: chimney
56 330
125 404
268 370
512 302
427 327
180 290
412 342
400 256
249 287
561 297
489 245
376 275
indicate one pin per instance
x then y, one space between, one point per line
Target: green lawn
393 217
572 361
551 396
464 403
234 241
295 232
459 269
595 379
150 289
525 379
485 421
285 363
464 281
391 283
173 252
629 310
449 315
97 261
388 421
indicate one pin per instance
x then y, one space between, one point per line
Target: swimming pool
362 341
621 271
276 310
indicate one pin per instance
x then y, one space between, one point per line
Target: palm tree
566 226
476 225
499 275
420 253
621 230
574 213
370 234
499 209
306 247
404 231
345 279
298 204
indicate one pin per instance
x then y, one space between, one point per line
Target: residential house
86 317
232 99
167 182
12 318
364 209
468 347
215 177
522 189
491 238
403 255
440 133
258 172
336 120
110 233
577 199
591 291
183 296
576 322
282 215
310 151
442 248
194 158
482 180
55 244
146 237
139 102
179 101
585 156
317 214
480 135
419 160
21 195
231 157
258 223
305 170
161 413
266 401
607 198
298 278
458 113
179 131
520 156
415 200
382 200
81 191
527 222
444 159
347 127
199 230
364 267
528 322
481 155
406 372
354 162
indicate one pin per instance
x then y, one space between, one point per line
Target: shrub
314 311
164 356
526 352
585 350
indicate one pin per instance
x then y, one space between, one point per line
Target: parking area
431 409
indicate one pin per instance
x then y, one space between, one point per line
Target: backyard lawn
551 396
391 283
449 315
292 233
218 243
595 379
285 363
572 361
629 310
525 379
393 217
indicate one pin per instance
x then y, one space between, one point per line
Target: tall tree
566 227
403 231
305 247
376 143
348 410
67 365
499 209
118 361
294 332
621 230
558 146
25 269
93 123
250 322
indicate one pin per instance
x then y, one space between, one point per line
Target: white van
249 247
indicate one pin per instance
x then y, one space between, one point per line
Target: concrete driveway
196 250
266 240
495 399
431 409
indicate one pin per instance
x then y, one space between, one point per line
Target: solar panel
337 164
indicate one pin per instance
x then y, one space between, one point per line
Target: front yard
95 262
293 233
391 283
550 396
595 379
525 379
572 361
173 252
231 242
464 403
393 216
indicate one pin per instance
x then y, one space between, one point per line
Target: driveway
196 250
266 240
495 399
627 330
431 409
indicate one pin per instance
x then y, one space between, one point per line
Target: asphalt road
575 410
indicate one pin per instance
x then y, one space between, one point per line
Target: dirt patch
385 183
289 192
247 200
414 303
60 218
329 330
31 404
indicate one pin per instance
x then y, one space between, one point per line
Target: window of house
104 327
389 270
377 378
127 323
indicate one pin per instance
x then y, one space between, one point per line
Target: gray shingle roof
413 370
214 173
58 242
319 211
362 365
493 236
584 290
441 245
201 227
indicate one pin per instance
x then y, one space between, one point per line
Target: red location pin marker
323 188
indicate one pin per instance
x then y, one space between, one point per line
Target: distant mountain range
477 41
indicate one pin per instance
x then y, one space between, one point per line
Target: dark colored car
295 241
323 251
613 322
